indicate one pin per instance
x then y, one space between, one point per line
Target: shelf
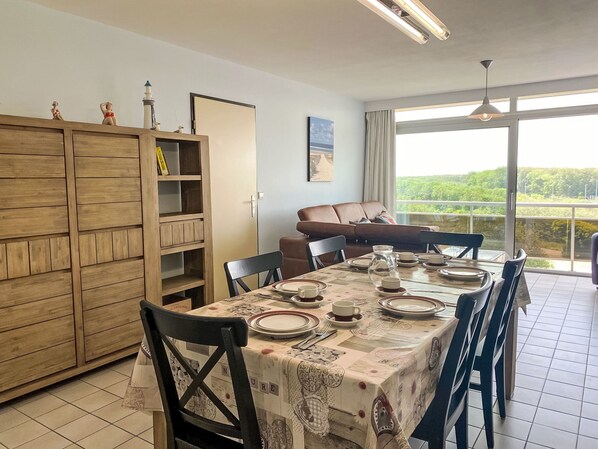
180 283
181 248
179 216
179 178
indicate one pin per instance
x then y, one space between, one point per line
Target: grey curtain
380 177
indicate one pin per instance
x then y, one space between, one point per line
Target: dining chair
185 428
490 356
471 242
318 248
237 269
449 406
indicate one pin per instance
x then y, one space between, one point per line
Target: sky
569 142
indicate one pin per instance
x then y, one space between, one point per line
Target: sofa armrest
323 229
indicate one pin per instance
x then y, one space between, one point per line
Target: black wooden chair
318 248
185 429
471 242
490 356
237 269
449 406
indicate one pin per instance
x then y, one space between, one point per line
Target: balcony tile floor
555 403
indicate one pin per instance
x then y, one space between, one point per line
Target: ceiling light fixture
408 16
486 111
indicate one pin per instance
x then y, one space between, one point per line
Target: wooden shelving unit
184 220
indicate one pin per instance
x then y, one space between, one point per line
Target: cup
344 310
307 293
407 256
391 284
436 259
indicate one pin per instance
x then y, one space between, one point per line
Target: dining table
366 386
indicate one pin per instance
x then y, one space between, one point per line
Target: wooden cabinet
83 239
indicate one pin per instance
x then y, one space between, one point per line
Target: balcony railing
555 235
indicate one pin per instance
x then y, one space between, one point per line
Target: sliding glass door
557 191
456 180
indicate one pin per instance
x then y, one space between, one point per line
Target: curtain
380 177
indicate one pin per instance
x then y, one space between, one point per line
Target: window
444 111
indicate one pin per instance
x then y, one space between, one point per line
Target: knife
318 339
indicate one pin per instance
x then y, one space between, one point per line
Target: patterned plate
381 291
361 263
462 273
296 301
423 257
291 286
415 306
283 323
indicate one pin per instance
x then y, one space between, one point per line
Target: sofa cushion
323 229
372 208
348 212
325 213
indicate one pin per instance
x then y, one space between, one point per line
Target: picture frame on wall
320 151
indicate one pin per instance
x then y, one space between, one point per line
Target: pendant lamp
486 111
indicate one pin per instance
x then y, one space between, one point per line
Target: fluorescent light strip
425 17
394 19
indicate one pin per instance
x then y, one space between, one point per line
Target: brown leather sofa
324 221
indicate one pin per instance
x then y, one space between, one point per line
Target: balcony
556 236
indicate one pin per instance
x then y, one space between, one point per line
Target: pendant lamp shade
486 111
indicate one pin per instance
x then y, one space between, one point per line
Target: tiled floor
555 403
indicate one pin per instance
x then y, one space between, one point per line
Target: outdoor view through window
457 180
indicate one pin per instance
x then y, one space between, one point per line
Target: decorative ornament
109 117
179 130
56 115
149 113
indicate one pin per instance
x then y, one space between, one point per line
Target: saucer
434 267
411 263
332 320
317 302
400 291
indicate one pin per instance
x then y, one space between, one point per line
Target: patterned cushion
385 218
361 220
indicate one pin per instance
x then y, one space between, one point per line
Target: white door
231 130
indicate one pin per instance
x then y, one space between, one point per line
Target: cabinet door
108 183
36 295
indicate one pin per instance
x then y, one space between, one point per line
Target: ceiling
341 46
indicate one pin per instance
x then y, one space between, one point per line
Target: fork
308 339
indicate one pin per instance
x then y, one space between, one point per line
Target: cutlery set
308 342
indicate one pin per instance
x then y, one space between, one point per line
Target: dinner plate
291 286
414 306
381 291
423 257
283 323
361 263
296 301
462 273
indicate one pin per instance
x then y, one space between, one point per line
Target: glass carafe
382 264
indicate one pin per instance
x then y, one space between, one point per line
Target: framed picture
320 152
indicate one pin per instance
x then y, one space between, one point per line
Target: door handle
253 203
512 201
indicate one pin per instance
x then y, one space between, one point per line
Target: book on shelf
162 165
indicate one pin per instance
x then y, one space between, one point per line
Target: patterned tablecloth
366 387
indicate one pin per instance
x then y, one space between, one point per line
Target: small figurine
156 127
55 111
109 117
180 130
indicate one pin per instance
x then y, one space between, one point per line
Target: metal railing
562 211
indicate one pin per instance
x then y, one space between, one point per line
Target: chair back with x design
335 245
186 428
236 270
470 242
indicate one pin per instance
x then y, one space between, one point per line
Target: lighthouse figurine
149 114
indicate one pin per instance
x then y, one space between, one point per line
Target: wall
48 55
